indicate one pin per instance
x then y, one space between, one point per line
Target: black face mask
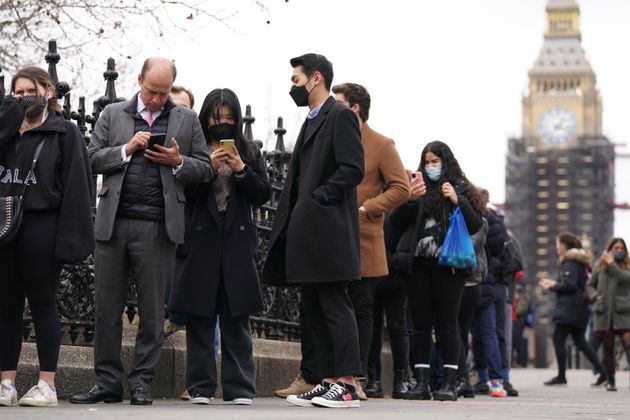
300 94
222 131
33 105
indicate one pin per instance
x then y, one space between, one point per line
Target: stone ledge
277 363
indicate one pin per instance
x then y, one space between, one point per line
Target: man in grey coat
139 221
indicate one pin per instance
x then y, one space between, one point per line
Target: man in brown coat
385 186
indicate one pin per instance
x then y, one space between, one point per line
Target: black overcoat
315 236
210 251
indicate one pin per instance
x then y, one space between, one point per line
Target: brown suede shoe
359 387
171 328
184 396
299 386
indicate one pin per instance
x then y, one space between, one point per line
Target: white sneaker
200 399
8 393
242 401
41 395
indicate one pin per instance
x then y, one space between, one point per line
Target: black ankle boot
448 392
464 387
421 391
373 389
400 384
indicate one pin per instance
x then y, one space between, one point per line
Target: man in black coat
315 238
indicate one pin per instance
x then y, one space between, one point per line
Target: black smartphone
156 138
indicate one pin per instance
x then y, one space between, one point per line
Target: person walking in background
315 237
215 269
571 312
42 157
609 288
139 221
434 292
384 187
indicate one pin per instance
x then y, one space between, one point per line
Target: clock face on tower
557 126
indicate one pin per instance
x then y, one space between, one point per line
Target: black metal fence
75 295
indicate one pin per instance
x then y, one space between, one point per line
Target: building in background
560 173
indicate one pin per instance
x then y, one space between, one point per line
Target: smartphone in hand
416 178
227 145
156 138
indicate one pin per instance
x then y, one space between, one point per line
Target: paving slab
575 401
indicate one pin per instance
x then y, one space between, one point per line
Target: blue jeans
487 353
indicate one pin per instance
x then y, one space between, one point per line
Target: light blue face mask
433 172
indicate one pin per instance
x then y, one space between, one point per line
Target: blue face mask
619 256
434 172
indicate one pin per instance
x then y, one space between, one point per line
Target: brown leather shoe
184 396
299 386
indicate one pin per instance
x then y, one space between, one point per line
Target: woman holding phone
434 291
215 270
609 288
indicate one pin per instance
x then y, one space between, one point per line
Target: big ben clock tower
560 172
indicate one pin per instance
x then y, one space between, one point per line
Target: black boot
373 388
421 391
464 387
448 392
400 384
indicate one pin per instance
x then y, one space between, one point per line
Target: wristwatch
242 171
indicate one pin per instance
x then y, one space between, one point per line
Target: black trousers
334 328
362 297
308 364
238 376
560 334
390 300
30 270
434 294
470 299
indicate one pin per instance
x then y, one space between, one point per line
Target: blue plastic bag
457 250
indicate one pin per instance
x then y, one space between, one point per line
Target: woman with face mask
609 287
215 269
434 292
571 313
56 224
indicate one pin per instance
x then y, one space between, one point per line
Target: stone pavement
576 401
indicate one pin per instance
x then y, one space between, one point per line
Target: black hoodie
62 180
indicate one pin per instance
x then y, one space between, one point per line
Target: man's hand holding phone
418 187
168 156
139 141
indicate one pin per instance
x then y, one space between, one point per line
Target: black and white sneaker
304 400
339 395
200 399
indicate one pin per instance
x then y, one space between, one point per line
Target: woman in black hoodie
56 225
434 291
571 312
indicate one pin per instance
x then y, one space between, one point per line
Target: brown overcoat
385 186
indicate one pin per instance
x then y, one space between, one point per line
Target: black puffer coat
571 303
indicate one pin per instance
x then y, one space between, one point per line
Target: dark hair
356 95
149 62
569 240
451 172
179 89
212 104
478 198
39 77
315 62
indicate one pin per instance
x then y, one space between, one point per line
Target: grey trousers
238 373
144 247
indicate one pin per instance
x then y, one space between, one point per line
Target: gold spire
563 19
